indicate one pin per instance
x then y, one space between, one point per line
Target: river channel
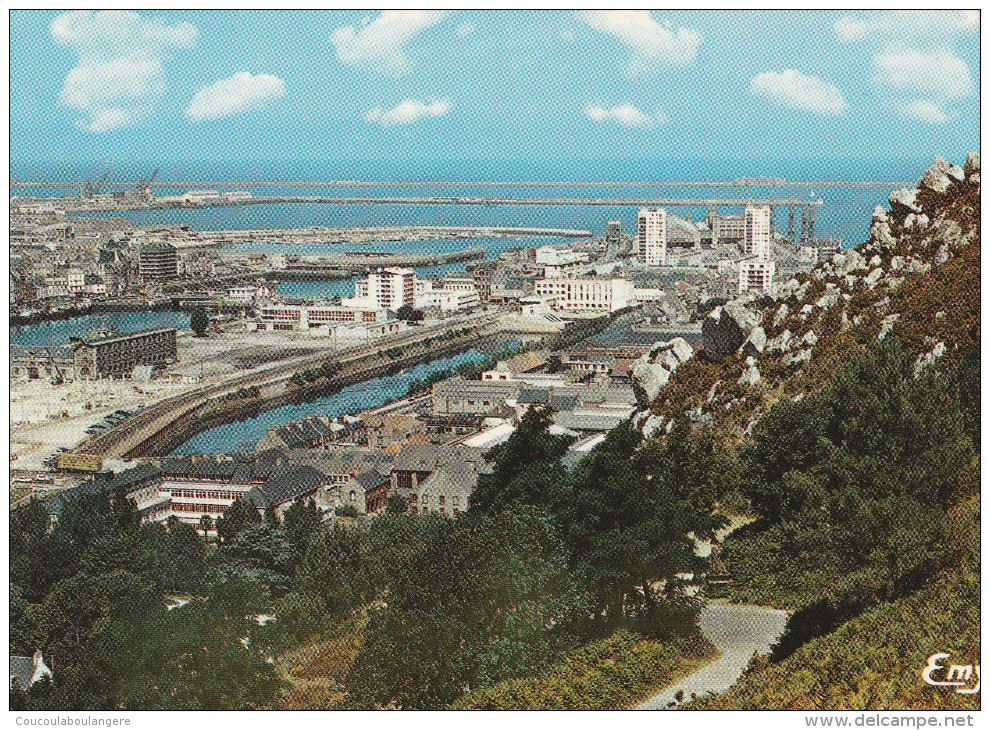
243 435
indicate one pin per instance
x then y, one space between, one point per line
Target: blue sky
359 86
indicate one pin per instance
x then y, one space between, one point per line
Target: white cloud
119 76
799 91
654 46
922 110
914 56
940 72
465 29
625 114
408 111
242 92
918 27
378 45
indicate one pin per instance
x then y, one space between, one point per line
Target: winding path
736 631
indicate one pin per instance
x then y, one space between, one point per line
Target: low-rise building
446 300
437 479
593 294
118 353
302 317
457 395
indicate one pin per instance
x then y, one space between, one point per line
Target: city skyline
361 85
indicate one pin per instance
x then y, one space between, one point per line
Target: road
736 631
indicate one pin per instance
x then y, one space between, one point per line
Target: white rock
904 201
781 315
780 343
872 278
750 376
927 359
875 261
897 263
755 343
652 425
939 177
972 163
886 325
810 338
855 261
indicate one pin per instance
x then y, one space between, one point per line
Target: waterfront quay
156 422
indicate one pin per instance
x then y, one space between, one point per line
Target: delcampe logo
959 676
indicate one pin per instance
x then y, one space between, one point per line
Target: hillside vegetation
875 661
852 414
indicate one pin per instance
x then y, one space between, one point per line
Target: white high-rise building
652 236
757 267
756 275
391 288
758 236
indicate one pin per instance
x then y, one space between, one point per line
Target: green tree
632 514
492 602
199 322
527 467
409 314
396 505
236 518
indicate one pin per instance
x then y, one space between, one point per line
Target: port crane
89 190
144 186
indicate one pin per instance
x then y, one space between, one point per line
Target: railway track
169 409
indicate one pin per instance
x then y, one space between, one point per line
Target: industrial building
118 354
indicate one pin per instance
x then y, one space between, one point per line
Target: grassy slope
315 670
614 673
875 661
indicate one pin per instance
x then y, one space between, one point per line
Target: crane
89 189
99 186
145 185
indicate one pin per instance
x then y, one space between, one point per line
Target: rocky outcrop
751 355
653 370
903 201
941 176
726 328
755 343
751 375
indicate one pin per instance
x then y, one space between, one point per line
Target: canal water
58 332
244 435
